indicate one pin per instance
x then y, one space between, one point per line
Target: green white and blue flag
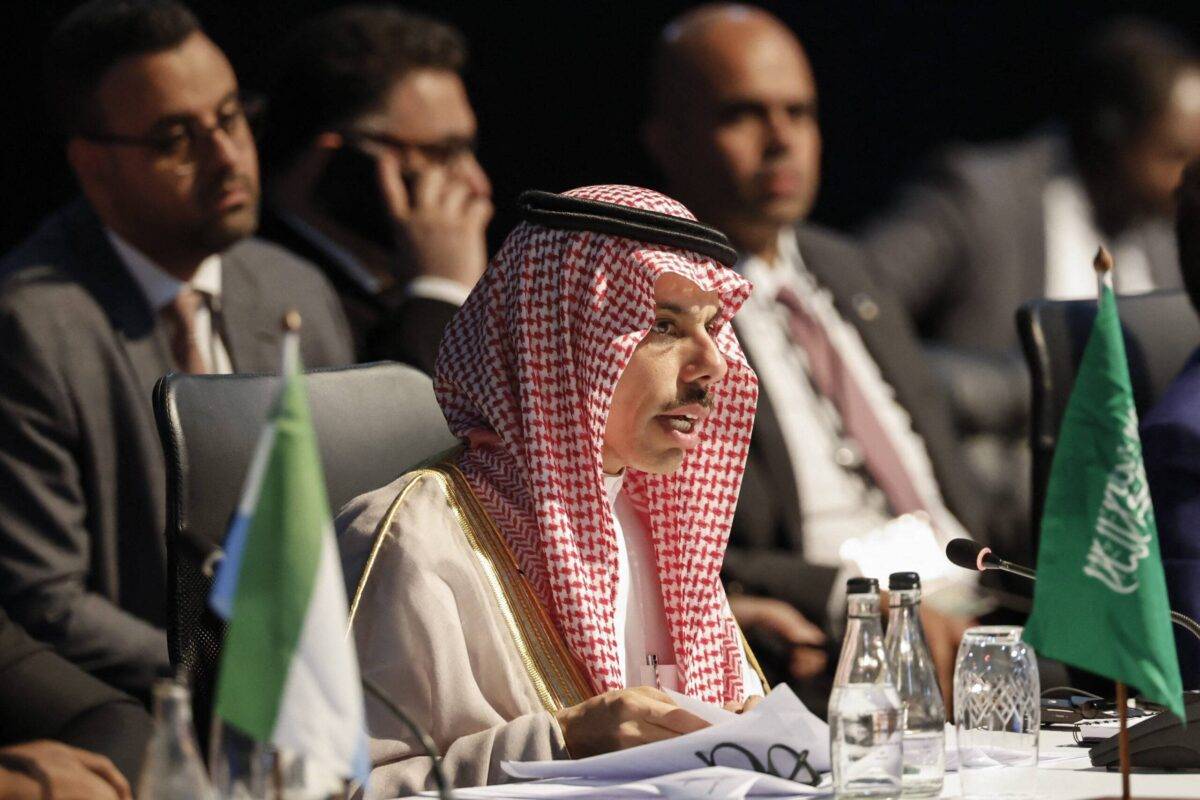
288 674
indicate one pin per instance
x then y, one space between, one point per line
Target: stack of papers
778 737
708 783
778 749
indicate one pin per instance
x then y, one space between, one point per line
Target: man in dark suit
153 270
990 227
1171 449
734 130
371 172
44 697
993 226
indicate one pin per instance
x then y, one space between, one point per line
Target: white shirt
1072 239
836 503
160 288
641 620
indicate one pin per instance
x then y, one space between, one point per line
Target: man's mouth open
683 425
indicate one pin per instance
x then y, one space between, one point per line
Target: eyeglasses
447 151
179 142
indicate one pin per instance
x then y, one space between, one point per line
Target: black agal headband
576 214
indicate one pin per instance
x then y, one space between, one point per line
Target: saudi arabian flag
1100 602
289 675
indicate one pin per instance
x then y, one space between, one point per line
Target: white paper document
779 737
708 783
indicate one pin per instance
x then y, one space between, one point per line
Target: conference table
1076 778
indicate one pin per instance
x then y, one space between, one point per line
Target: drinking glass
997 712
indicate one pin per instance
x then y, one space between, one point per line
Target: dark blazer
966 245
393 328
43 696
766 550
1171 449
82 497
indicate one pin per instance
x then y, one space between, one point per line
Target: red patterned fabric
526 375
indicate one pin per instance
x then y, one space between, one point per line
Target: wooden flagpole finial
1103 261
291 321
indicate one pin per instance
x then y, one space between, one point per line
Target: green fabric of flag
278 567
1100 602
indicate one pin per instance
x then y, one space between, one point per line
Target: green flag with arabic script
1100 602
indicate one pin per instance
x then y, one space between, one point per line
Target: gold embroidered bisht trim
555 674
553 671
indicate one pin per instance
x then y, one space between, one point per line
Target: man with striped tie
851 433
153 269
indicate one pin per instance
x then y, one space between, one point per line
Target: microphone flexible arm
985 559
431 748
1187 623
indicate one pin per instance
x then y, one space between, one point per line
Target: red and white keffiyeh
526 375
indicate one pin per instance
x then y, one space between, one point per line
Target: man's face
429 117
745 148
1153 163
174 200
663 396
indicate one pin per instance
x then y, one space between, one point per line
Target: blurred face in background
184 182
1152 164
736 129
426 119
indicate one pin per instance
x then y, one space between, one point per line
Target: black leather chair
373 422
1161 331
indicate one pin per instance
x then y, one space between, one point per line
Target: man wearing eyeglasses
153 269
371 173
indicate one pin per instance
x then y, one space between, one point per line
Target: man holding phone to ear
371 172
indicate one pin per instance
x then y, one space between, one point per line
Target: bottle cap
862 586
900 581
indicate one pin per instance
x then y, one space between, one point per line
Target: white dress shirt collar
160 287
612 486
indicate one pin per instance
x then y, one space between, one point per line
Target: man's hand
621 719
746 705
440 225
944 633
783 621
59 772
18 786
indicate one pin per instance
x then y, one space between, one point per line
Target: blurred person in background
369 154
61 728
990 227
153 269
1171 449
850 431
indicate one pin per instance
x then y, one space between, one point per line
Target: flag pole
1103 264
1123 737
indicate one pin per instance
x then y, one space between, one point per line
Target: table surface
1077 779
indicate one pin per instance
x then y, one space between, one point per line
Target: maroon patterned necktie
833 379
180 315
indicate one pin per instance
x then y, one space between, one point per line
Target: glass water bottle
915 680
865 717
173 769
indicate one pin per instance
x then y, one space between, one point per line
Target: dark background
559 86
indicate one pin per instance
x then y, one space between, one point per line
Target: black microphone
969 554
